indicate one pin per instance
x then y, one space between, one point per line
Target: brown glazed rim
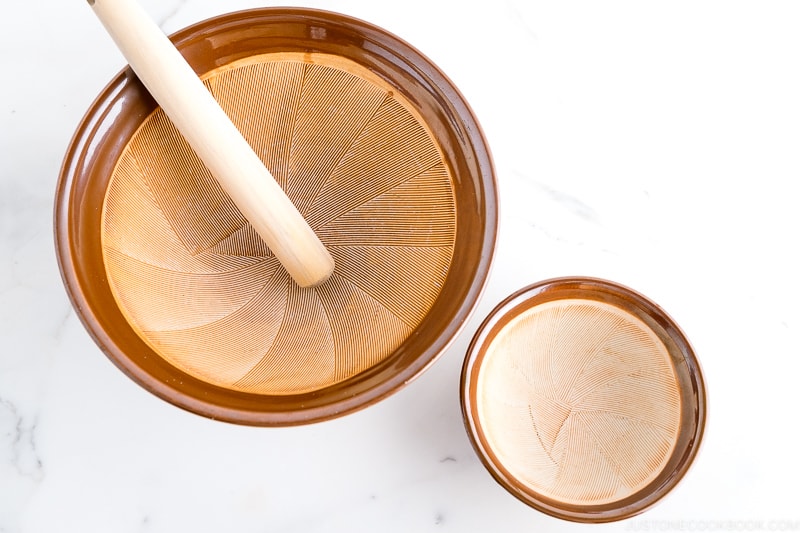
124 104
690 378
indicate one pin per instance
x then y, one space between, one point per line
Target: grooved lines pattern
580 402
202 289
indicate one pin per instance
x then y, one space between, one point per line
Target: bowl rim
74 160
689 443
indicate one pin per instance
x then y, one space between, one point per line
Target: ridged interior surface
579 401
202 289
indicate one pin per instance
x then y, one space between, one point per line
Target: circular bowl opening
374 145
583 399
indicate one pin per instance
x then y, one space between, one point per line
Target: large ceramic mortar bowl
377 149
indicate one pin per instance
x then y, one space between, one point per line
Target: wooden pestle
216 141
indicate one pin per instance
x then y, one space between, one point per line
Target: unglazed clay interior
579 401
199 285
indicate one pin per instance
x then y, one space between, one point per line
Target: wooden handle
217 142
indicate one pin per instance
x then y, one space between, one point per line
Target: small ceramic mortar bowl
583 399
377 149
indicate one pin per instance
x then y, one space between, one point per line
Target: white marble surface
654 144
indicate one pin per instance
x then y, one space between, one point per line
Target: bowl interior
380 153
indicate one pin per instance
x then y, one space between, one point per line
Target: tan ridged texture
579 401
202 289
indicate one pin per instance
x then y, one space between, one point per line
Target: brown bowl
583 399
381 154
